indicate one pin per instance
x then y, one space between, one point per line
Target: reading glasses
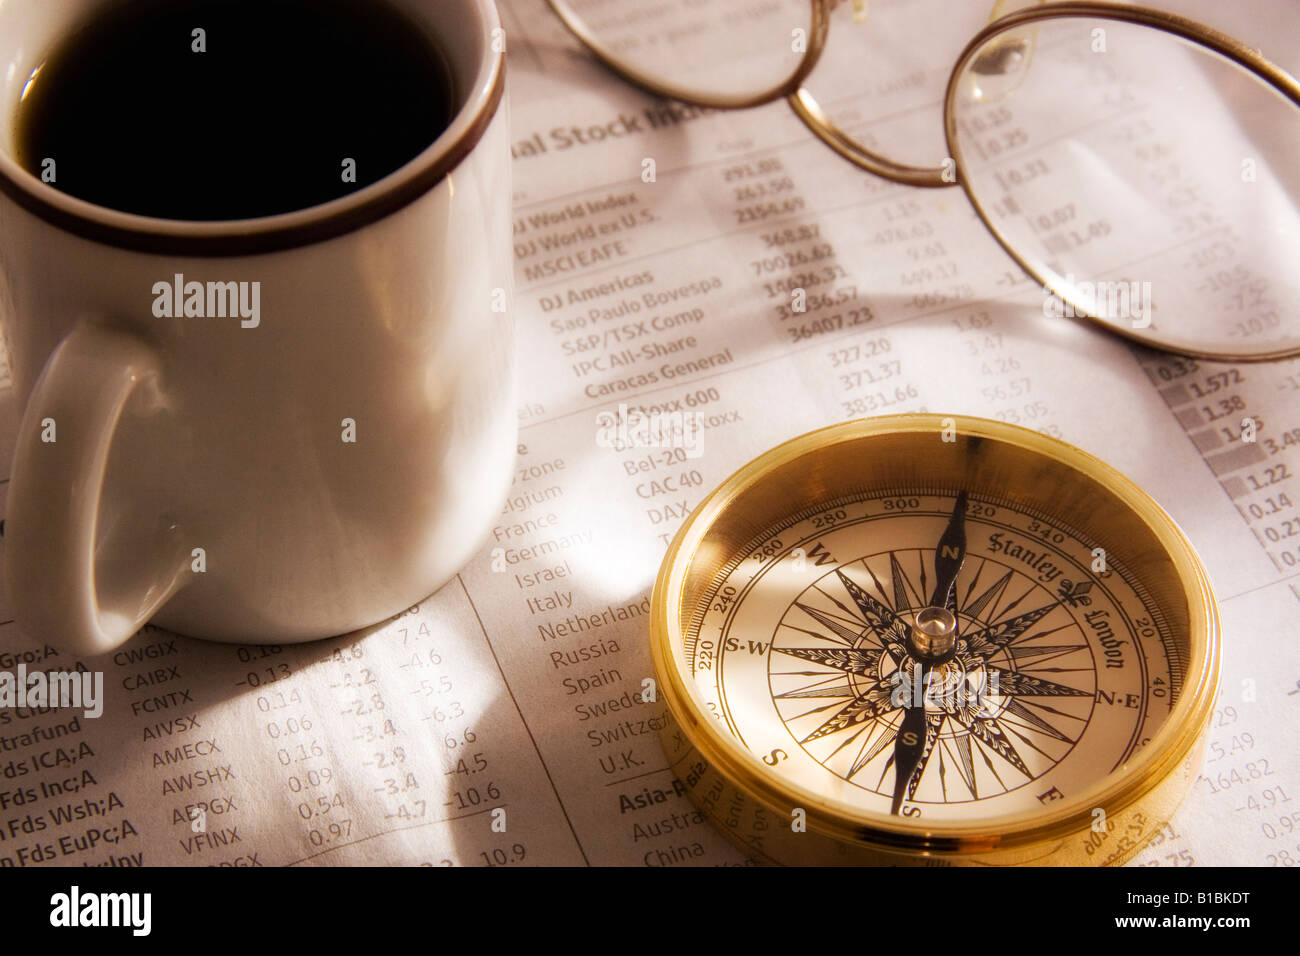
1141 166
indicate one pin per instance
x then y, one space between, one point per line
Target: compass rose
966 689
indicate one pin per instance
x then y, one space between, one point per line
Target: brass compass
934 639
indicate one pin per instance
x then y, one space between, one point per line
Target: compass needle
933 722
909 746
950 681
950 553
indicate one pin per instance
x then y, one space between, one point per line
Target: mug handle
54 500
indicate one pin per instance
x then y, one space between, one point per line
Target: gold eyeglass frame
810 112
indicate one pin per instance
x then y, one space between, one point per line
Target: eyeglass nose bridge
792 89
807 108
814 117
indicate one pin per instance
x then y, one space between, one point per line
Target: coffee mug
322 447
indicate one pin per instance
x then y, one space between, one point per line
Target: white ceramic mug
289 472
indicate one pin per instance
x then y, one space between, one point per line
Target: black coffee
276 105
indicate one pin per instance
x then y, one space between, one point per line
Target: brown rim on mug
301 227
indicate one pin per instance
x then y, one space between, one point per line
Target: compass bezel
909 450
